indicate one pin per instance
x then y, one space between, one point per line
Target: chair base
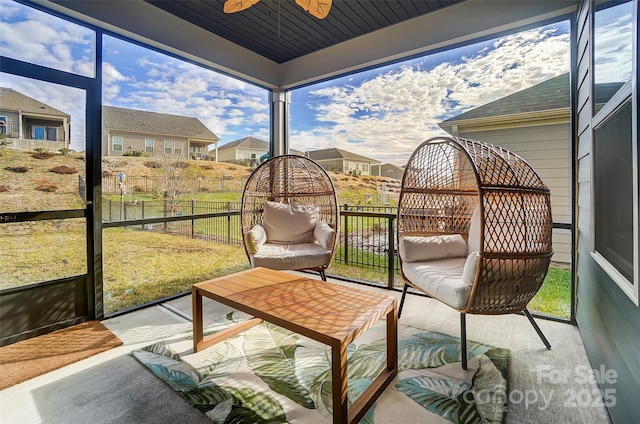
463 335
404 294
463 329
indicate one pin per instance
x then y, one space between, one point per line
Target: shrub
40 150
181 165
43 155
63 170
18 169
136 153
106 173
65 151
46 187
4 188
153 164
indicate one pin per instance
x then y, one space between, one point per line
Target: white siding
548 150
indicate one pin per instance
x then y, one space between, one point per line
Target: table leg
196 299
339 383
392 340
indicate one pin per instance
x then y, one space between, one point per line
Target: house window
38 132
365 167
615 155
52 134
177 147
168 147
117 144
3 124
613 167
148 145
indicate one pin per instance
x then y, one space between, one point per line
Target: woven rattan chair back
291 179
445 179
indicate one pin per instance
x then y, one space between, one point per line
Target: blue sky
386 113
382 113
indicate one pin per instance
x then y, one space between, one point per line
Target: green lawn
141 266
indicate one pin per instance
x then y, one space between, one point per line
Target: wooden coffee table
325 312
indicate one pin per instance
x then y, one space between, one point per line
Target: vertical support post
346 239
280 100
142 212
391 254
193 221
165 214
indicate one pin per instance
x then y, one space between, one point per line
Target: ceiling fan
317 8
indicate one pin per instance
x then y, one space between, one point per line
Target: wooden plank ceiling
281 30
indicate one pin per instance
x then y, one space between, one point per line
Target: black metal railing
367 235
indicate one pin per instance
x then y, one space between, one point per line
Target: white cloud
393 112
33 36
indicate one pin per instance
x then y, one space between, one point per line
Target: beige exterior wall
329 165
546 148
387 171
345 166
235 154
137 142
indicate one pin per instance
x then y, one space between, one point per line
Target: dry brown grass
63 169
19 195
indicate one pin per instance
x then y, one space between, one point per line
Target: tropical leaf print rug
270 375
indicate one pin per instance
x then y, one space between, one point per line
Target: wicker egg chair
301 186
474 229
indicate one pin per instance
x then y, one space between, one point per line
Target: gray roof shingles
333 153
550 94
133 120
15 101
246 142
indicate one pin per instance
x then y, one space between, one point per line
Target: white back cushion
286 223
473 241
419 248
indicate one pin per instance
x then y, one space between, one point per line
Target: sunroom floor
112 385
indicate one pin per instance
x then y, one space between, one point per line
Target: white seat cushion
291 256
442 279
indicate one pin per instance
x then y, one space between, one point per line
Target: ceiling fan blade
233 6
318 8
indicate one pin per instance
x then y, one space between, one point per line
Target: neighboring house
28 123
535 124
156 134
339 160
388 170
246 151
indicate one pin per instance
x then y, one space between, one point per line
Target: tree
178 180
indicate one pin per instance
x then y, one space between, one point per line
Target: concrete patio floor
112 387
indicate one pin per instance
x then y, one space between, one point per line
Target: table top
324 311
